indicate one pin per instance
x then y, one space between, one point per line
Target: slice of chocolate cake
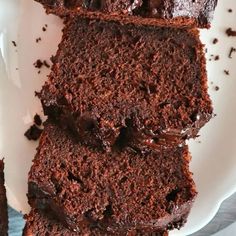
39 225
3 203
117 191
146 83
176 11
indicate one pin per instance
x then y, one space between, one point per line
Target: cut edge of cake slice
150 191
152 99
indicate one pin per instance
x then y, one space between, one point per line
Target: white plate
214 159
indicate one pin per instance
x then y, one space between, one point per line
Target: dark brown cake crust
109 80
39 225
3 203
186 11
117 191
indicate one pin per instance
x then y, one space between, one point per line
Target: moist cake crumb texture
117 191
127 88
144 84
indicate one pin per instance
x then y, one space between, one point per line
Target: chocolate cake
179 11
39 225
116 191
3 203
110 81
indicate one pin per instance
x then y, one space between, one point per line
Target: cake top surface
121 188
186 12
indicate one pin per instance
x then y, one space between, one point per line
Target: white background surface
214 159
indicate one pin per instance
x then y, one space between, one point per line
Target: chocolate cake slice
3 203
176 11
39 225
116 191
145 83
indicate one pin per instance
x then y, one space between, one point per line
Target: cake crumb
45 63
38 64
217 88
38 40
226 72
215 41
14 43
37 120
230 10
230 32
33 133
232 50
44 29
39 72
217 57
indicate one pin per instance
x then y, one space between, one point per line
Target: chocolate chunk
33 133
37 120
